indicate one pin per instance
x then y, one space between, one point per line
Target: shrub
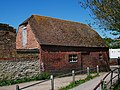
41 76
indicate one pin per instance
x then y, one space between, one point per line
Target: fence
73 73
108 82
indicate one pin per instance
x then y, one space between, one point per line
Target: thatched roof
51 31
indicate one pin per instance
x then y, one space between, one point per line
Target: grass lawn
78 82
118 87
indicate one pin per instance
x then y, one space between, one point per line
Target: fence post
73 75
52 82
17 87
88 71
97 70
101 84
119 73
111 79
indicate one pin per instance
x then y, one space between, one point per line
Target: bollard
88 71
73 75
52 82
97 70
17 87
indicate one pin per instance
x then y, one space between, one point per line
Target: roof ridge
57 18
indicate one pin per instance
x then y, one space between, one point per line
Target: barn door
85 59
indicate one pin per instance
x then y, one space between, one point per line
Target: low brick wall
113 62
15 69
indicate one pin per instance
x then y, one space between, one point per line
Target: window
73 58
24 36
100 57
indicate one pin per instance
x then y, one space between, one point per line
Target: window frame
73 58
100 56
24 36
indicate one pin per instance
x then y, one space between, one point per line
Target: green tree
105 12
112 43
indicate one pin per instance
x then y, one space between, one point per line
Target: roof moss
52 31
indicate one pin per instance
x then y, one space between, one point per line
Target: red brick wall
56 58
31 40
113 62
59 61
97 61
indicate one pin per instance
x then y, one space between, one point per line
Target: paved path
90 85
59 82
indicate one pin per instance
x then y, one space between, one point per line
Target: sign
114 53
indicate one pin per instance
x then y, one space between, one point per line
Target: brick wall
113 62
56 58
59 61
7 41
31 40
31 54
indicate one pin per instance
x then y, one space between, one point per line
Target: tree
105 12
112 43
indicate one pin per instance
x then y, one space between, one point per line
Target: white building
114 53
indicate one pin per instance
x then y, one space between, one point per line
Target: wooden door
85 57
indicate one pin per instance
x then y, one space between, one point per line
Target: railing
73 73
109 80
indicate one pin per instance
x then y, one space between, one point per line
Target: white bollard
73 75
97 69
88 71
52 82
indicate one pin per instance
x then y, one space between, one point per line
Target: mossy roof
52 31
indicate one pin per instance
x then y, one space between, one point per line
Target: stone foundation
16 69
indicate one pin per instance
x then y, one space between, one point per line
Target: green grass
78 82
117 86
41 76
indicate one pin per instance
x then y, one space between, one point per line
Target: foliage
112 43
106 12
118 87
108 41
78 82
41 76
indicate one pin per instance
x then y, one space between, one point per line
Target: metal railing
109 80
73 73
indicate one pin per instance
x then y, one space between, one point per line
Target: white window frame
100 56
73 57
24 36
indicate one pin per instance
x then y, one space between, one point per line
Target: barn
63 45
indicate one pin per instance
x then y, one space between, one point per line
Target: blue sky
14 12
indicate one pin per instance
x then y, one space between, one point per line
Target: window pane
73 58
24 37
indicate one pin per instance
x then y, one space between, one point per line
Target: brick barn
62 45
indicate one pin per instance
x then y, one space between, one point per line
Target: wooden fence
73 73
108 82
